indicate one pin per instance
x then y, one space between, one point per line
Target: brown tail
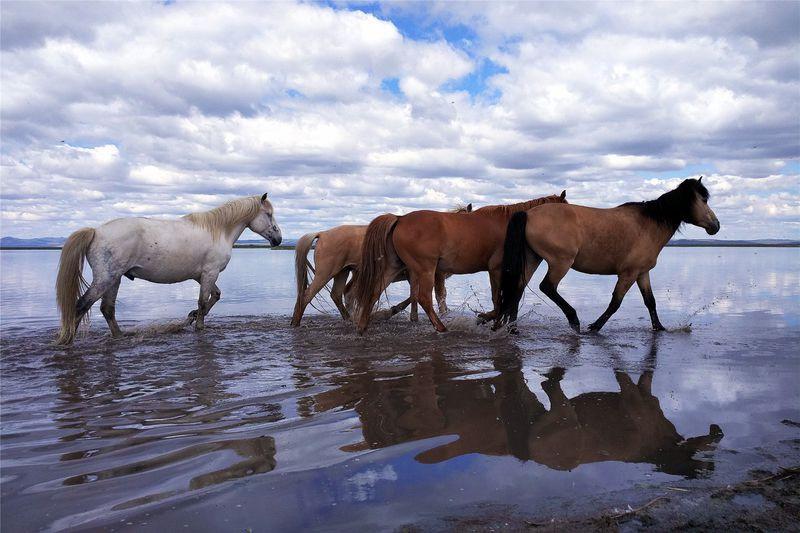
374 262
70 282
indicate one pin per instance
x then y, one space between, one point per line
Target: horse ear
263 197
700 180
564 194
469 208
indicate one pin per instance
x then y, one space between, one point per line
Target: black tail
512 281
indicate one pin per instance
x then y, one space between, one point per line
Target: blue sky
343 111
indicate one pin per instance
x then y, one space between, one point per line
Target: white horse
196 246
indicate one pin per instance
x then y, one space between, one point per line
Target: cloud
146 109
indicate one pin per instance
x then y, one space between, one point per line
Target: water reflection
501 415
157 414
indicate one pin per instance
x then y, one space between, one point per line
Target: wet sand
252 424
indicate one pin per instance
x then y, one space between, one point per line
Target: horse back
459 242
340 246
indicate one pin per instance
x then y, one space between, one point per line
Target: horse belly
462 265
169 258
163 266
595 263
466 258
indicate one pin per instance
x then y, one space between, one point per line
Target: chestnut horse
336 255
623 240
425 242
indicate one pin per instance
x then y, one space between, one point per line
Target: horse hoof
555 374
659 328
577 327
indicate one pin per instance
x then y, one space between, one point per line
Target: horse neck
232 235
659 233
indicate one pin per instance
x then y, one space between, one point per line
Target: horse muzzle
713 228
275 241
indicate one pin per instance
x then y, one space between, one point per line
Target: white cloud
153 109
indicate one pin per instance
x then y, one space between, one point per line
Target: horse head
699 213
264 223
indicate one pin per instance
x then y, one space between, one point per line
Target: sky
345 111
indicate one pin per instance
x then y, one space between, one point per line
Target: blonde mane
225 217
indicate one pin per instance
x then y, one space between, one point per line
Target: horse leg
494 282
649 300
337 291
108 305
624 282
207 282
348 292
441 292
645 383
424 281
216 294
402 305
321 278
393 310
414 303
99 286
549 286
531 264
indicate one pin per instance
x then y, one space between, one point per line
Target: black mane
673 208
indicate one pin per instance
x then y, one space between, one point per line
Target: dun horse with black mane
624 240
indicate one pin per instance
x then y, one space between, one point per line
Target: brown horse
425 242
338 254
624 240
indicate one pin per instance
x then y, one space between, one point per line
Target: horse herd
422 247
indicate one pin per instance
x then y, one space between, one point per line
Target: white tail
70 282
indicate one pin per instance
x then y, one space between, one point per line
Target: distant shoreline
680 245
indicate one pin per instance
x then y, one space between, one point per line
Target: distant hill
41 242
721 242
57 242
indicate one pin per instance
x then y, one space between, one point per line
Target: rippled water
252 424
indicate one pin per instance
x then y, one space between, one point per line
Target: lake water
253 424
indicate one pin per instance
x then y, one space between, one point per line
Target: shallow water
254 424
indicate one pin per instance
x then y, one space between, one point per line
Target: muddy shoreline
764 501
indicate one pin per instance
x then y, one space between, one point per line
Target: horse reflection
500 416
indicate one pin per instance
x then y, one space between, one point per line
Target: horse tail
512 282
70 282
302 266
372 269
